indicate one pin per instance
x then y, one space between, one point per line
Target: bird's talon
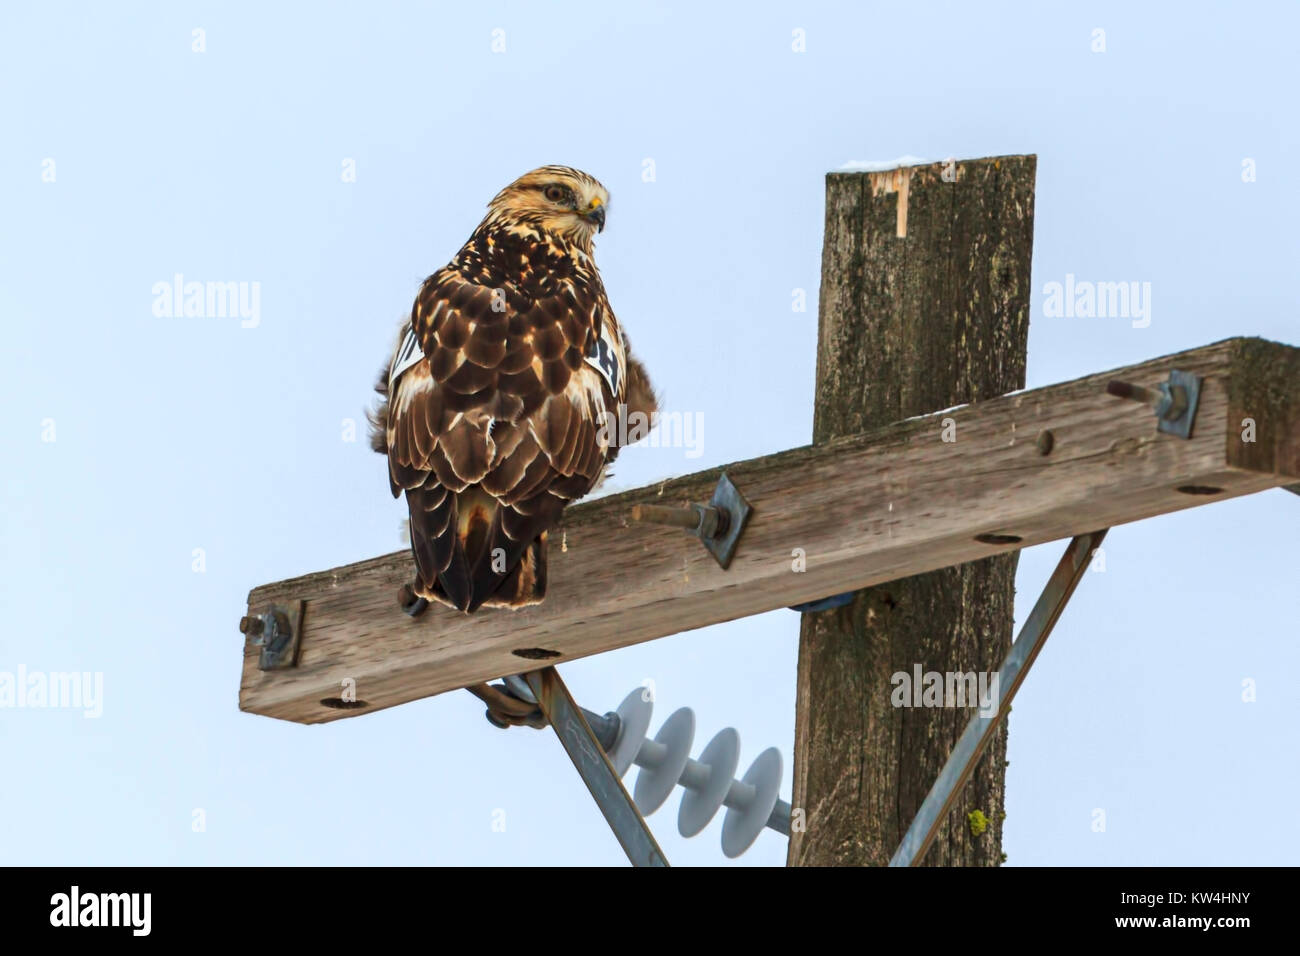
410 602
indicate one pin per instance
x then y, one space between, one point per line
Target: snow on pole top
879 165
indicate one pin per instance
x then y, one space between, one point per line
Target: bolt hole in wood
998 538
1199 489
535 653
338 703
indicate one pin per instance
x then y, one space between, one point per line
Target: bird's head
557 199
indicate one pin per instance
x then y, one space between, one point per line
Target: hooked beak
596 214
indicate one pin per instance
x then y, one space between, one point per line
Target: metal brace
1174 402
975 739
276 631
580 742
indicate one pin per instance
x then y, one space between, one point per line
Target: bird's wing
496 398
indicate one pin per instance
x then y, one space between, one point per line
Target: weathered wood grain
866 509
910 320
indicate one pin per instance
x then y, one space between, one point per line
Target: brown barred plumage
493 423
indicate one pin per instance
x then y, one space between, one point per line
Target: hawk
501 402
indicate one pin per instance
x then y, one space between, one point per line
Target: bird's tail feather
464 556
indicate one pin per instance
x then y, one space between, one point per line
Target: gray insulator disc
740 828
698 806
654 784
634 720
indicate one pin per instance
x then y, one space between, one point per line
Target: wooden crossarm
863 510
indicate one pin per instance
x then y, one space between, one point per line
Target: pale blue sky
173 434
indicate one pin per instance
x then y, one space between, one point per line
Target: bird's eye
555 193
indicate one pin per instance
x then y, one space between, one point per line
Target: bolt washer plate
280 649
728 496
1182 426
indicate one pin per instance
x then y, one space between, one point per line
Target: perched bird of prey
496 395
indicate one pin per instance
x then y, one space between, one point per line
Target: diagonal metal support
593 765
975 738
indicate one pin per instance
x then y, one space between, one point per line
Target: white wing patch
407 354
606 357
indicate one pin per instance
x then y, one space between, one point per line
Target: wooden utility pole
924 305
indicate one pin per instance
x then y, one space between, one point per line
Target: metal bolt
718 524
705 521
1169 402
276 633
1136 393
1173 402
